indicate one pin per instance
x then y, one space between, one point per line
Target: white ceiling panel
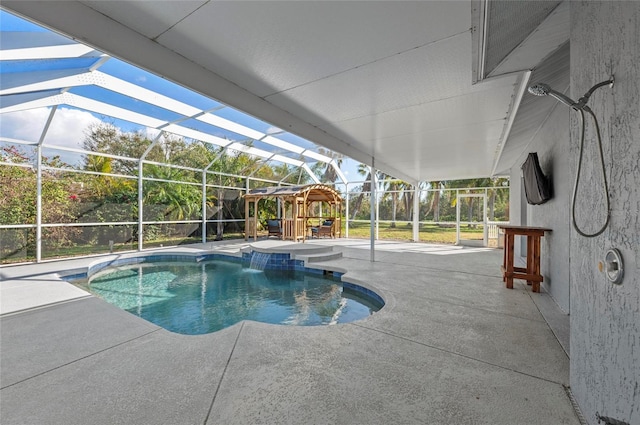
442 140
149 18
437 71
268 47
477 107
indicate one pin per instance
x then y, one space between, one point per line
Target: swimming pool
197 298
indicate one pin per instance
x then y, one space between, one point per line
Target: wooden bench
530 273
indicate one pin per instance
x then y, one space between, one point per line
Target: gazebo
300 208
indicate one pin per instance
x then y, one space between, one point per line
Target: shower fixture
542 89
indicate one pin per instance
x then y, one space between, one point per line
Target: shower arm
582 102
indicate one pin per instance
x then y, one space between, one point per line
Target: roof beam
117 85
27 82
338 171
313 176
48 52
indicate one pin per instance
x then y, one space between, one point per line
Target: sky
69 124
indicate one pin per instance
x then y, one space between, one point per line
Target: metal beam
338 171
39 185
372 212
313 176
140 191
416 213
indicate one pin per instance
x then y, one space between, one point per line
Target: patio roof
421 90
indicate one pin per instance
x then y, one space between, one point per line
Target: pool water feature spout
259 260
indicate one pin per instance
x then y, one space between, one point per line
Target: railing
293 228
493 233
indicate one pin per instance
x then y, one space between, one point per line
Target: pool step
285 247
309 253
316 258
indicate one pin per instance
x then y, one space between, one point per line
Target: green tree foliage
18 202
438 199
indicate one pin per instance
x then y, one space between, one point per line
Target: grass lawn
429 232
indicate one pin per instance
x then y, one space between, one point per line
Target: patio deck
451 346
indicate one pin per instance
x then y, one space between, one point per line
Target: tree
328 173
107 138
18 201
434 204
407 194
366 187
492 193
231 163
390 188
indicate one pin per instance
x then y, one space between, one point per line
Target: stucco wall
552 145
605 318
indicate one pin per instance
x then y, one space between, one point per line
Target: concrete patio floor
451 346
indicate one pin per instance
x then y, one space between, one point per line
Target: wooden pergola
300 208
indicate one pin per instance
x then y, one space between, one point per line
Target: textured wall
552 145
605 318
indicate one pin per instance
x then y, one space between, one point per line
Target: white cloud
151 133
67 128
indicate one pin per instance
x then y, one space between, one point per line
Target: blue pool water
198 298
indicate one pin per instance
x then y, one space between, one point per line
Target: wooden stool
531 273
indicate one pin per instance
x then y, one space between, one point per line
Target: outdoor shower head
542 89
539 89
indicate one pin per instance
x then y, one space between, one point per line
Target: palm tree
179 201
406 196
391 188
494 195
434 204
366 187
329 174
497 195
228 163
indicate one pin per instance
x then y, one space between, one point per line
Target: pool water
199 298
